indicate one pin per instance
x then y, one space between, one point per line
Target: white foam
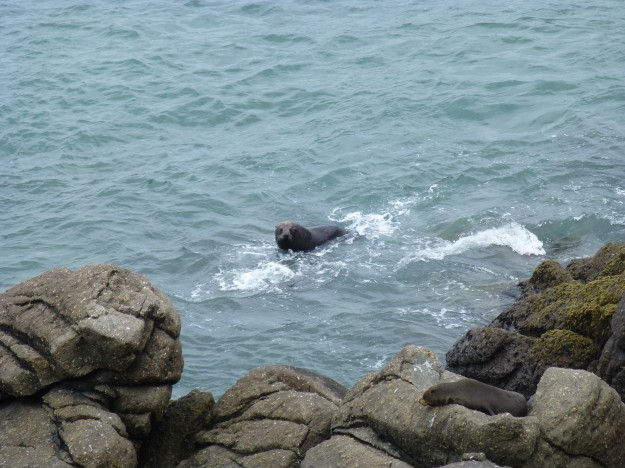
512 235
264 277
370 225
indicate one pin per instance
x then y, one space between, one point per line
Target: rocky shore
88 359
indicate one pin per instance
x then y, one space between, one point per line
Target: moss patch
564 348
549 274
583 308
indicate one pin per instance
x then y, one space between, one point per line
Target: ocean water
459 142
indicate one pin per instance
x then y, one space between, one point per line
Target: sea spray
512 235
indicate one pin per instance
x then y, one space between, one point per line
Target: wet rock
608 261
546 275
270 417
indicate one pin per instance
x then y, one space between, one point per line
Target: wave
512 235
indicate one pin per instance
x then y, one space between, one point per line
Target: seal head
293 236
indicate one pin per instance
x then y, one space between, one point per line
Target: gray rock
345 451
581 415
67 324
576 420
63 428
270 417
388 402
88 359
29 437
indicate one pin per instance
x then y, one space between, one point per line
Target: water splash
513 235
265 276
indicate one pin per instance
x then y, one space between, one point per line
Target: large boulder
581 418
89 357
270 417
382 423
564 318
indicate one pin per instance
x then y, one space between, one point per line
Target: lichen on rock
564 318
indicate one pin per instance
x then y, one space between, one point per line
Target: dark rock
546 275
472 464
611 366
608 261
564 318
172 440
270 417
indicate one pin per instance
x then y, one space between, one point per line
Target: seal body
290 235
476 396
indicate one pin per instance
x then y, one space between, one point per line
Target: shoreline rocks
89 357
571 317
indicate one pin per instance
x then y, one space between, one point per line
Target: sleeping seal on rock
290 235
476 396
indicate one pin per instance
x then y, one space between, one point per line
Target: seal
476 396
290 235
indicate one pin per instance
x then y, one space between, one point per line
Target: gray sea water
459 142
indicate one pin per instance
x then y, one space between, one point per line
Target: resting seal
476 396
290 235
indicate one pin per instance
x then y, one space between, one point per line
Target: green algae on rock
563 318
564 348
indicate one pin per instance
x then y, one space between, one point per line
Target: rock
608 261
387 402
89 356
172 440
564 318
270 417
29 437
581 415
546 275
381 423
63 428
611 367
345 451
472 464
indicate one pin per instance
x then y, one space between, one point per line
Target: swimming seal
476 396
290 235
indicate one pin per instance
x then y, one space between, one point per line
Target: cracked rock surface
88 358
576 420
270 417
